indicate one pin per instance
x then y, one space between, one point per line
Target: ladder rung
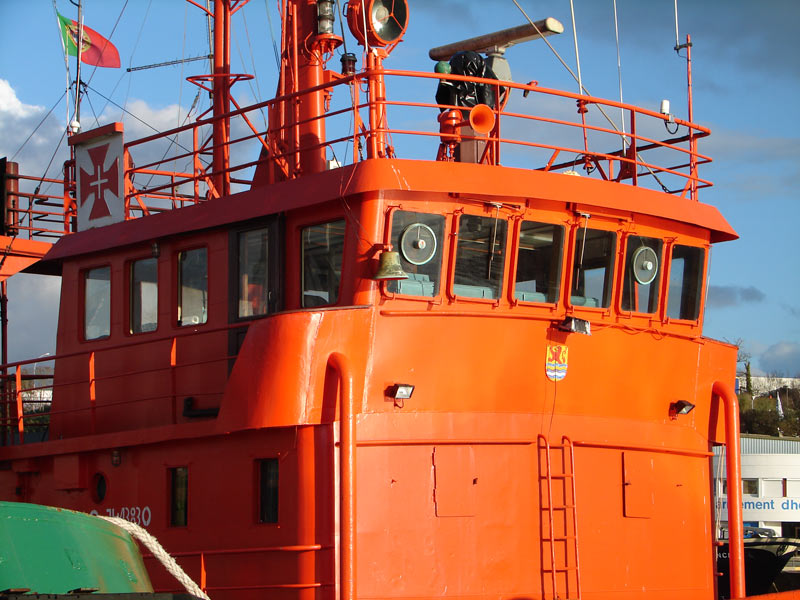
560 569
560 507
559 538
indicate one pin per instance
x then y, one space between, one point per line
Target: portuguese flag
96 50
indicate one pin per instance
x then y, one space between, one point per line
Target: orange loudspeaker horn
481 118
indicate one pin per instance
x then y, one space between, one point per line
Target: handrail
347 478
734 474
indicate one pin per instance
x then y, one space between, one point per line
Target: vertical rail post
734 474
92 392
692 137
4 359
173 363
306 512
20 411
347 479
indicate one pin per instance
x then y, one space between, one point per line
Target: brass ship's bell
389 267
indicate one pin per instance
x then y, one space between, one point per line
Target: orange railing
535 128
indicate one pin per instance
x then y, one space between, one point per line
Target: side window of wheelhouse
193 286
640 283
418 239
685 282
593 268
253 273
144 295
322 251
539 262
97 303
480 257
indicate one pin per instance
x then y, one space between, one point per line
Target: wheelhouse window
480 257
322 251
144 295
642 274
253 273
539 262
419 239
193 286
593 268
97 303
685 282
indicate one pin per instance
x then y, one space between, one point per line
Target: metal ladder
561 578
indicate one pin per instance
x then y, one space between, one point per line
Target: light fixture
324 17
116 458
155 250
681 407
575 325
399 392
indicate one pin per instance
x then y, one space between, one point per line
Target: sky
746 82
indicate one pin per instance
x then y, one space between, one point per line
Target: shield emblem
556 362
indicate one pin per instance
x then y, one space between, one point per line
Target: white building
770 484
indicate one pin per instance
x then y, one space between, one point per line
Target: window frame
82 305
301 228
508 219
275 227
443 248
594 223
702 280
177 295
659 281
514 262
129 291
257 496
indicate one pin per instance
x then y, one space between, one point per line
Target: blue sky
746 69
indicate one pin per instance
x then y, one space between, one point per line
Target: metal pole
4 358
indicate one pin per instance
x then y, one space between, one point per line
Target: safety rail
173 169
25 410
36 215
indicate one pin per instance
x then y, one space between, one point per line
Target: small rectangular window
179 496
539 262
480 257
593 270
97 303
642 274
193 286
685 283
750 487
144 295
322 251
418 238
253 273
268 490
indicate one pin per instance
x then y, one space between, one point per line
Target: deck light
400 391
575 325
681 407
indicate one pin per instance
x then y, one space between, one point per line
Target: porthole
99 487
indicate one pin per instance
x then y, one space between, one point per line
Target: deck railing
381 113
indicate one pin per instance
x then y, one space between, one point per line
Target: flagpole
78 68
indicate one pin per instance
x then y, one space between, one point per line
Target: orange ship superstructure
425 373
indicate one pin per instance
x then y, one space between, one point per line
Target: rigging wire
133 51
66 61
575 41
272 35
108 39
35 129
619 77
600 108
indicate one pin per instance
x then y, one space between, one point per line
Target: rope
619 77
152 544
575 41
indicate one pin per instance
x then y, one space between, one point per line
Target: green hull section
54 551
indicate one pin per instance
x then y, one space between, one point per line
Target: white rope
158 551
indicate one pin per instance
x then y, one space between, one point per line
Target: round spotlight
386 21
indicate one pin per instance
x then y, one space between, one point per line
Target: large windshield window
642 274
322 250
539 262
593 270
685 282
480 257
418 239
97 303
144 295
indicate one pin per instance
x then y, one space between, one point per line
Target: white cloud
11 106
782 358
